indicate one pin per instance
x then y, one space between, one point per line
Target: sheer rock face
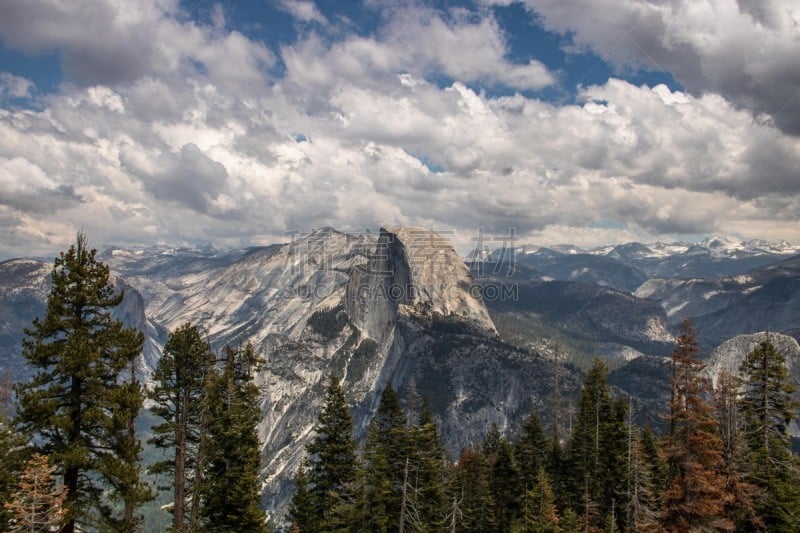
730 354
399 306
364 307
413 271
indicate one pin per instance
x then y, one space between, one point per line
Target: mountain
730 354
399 306
767 298
24 285
480 339
625 264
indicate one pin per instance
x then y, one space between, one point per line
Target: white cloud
745 50
15 86
416 42
115 41
355 137
303 10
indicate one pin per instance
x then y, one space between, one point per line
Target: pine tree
385 452
37 505
741 508
78 405
122 468
570 523
13 449
470 487
530 451
539 513
331 455
767 407
301 508
503 486
557 470
696 494
642 507
178 393
597 450
231 499
428 460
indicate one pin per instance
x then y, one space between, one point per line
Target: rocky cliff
398 306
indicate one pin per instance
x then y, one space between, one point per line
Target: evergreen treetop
79 406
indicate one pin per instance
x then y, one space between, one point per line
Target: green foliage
79 406
767 407
332 459
385 452
13 450
428 466
539 509
504 487
178 396
530 450
597 449
328 322
231 490
470 487
301 508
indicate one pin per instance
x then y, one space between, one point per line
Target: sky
235 124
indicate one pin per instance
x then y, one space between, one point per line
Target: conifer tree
556 468
178 395
767 407
539 513
78 405
385 452
503 486
231 498
696 494
742 509
122 468
596 451
530 451
331 456
652 456
642 503
570 523
470 487
428 460
301 508
37 505
13 449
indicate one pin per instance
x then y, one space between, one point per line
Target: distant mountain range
481 339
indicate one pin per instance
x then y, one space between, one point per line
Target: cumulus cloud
303 10
15 86
357 134
745 50
416 41
112 41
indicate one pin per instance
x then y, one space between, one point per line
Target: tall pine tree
539 513
231 492
596 452
332 461
696 494
385 452
178 396
767 407
428 459
79 404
